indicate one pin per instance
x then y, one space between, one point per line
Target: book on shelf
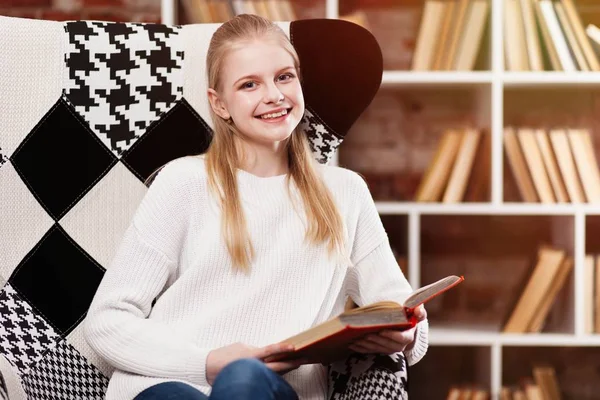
459 169
566 164
450 34
593 32
517 163
216 11
547 35
467 392
539 290
553 166
329 340
587 165
535 162
542 385
591 300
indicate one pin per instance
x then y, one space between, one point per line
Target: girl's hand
218 358
389 341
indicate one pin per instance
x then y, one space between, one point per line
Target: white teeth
276 115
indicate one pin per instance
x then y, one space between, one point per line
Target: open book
329 341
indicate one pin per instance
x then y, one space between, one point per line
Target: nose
272 94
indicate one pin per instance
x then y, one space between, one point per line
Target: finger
273 349
371 347
390 345
274 357
281 366
356 347
420 312
403 337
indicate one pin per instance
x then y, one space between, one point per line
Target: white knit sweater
173 251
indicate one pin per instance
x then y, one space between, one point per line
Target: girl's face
261 92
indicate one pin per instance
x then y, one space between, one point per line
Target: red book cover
329 341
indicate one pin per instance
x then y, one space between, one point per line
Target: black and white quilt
369 377
88 110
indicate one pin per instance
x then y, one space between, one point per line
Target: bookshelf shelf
409 113
428 78
465 337
390 207
549 78
549 339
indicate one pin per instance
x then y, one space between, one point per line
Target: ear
217 104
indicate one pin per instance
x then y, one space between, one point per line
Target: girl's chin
268 136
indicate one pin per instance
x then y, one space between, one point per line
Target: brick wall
104 10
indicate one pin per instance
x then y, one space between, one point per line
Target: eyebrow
256 76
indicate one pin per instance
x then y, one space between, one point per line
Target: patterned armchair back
88 110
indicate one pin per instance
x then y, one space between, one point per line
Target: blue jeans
247 378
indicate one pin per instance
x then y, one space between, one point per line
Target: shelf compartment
590 293
496 254
395 139
551 105
396 227
576 368
395 25
221 10
451 366
548 108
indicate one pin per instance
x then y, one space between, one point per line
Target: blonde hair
325 223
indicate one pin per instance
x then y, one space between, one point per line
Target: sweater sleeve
375 274
117 325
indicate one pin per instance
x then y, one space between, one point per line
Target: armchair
89 110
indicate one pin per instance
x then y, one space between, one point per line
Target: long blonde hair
325 223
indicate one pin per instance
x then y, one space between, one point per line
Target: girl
233 251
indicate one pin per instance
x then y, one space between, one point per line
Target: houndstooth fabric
3 158
24 335
65 374
117 104
369 377
323 140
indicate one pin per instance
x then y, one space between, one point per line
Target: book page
428 292
380 305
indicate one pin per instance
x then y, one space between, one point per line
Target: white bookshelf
168 11
492 84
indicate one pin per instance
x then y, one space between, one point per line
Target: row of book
216 11
553 166
539 290
467 392
459 169
543 385
450 34
548 34
591 294
556 165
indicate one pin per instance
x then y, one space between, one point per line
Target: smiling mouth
274 116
